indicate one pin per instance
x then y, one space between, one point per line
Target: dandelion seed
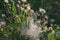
42 10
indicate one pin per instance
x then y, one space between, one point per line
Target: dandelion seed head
33 30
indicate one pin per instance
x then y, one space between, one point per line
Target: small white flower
50 28
42 10
6 1
24 0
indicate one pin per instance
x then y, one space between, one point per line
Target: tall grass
18 21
